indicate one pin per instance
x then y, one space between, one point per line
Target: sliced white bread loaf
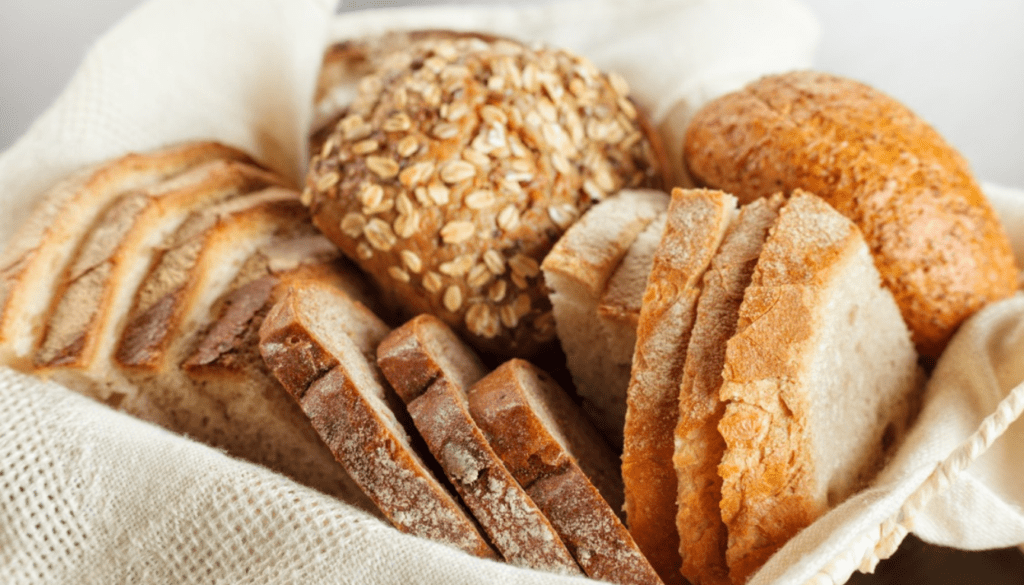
563 464
96 290
576 270
36 258
819 381
321 345
618 312
432 369
697 221
698 444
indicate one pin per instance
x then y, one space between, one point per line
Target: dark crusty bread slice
432 369
97 288
577 270
698 444
321 346
563 464
697 221
820 379
35 258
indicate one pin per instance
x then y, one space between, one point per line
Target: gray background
959 64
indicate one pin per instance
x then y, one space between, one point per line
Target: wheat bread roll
696 223
820 382
563 464
321 345
577 271
458 165
936 241
431 369
698 444
35 258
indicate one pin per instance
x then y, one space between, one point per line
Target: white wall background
957 63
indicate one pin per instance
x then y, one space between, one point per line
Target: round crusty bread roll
459 163
936 241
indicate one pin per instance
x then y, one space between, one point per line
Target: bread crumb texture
458 165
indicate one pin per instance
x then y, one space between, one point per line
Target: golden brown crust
697 221
457 167
698 444
530 442
937 243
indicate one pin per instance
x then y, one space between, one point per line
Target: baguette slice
34 260
321 346
563 464
577 269
98 286
697 221
431 369
821 379
698 444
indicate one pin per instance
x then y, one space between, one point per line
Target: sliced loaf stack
115 284
760 330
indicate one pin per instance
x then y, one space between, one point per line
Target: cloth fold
89 495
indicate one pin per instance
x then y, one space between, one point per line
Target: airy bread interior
821 378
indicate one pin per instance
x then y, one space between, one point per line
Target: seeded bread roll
936 241
460 162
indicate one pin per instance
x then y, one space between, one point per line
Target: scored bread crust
696 223
321 346
431 369
577 271
802 430
937 243
562 463
698 444
34 259
96 289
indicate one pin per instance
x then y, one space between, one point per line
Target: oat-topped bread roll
934 237
457 166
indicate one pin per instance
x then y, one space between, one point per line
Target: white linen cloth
89 495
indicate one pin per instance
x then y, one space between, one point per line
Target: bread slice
431 369
321 346
97 288
618 314
576 270
34 260
698 444
563 464
819 381
697 221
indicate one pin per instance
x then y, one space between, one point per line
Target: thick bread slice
98 286
698 444
618 314
820 380
562 463
36 257
697 221
431 369
576 270
225 395
321 346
